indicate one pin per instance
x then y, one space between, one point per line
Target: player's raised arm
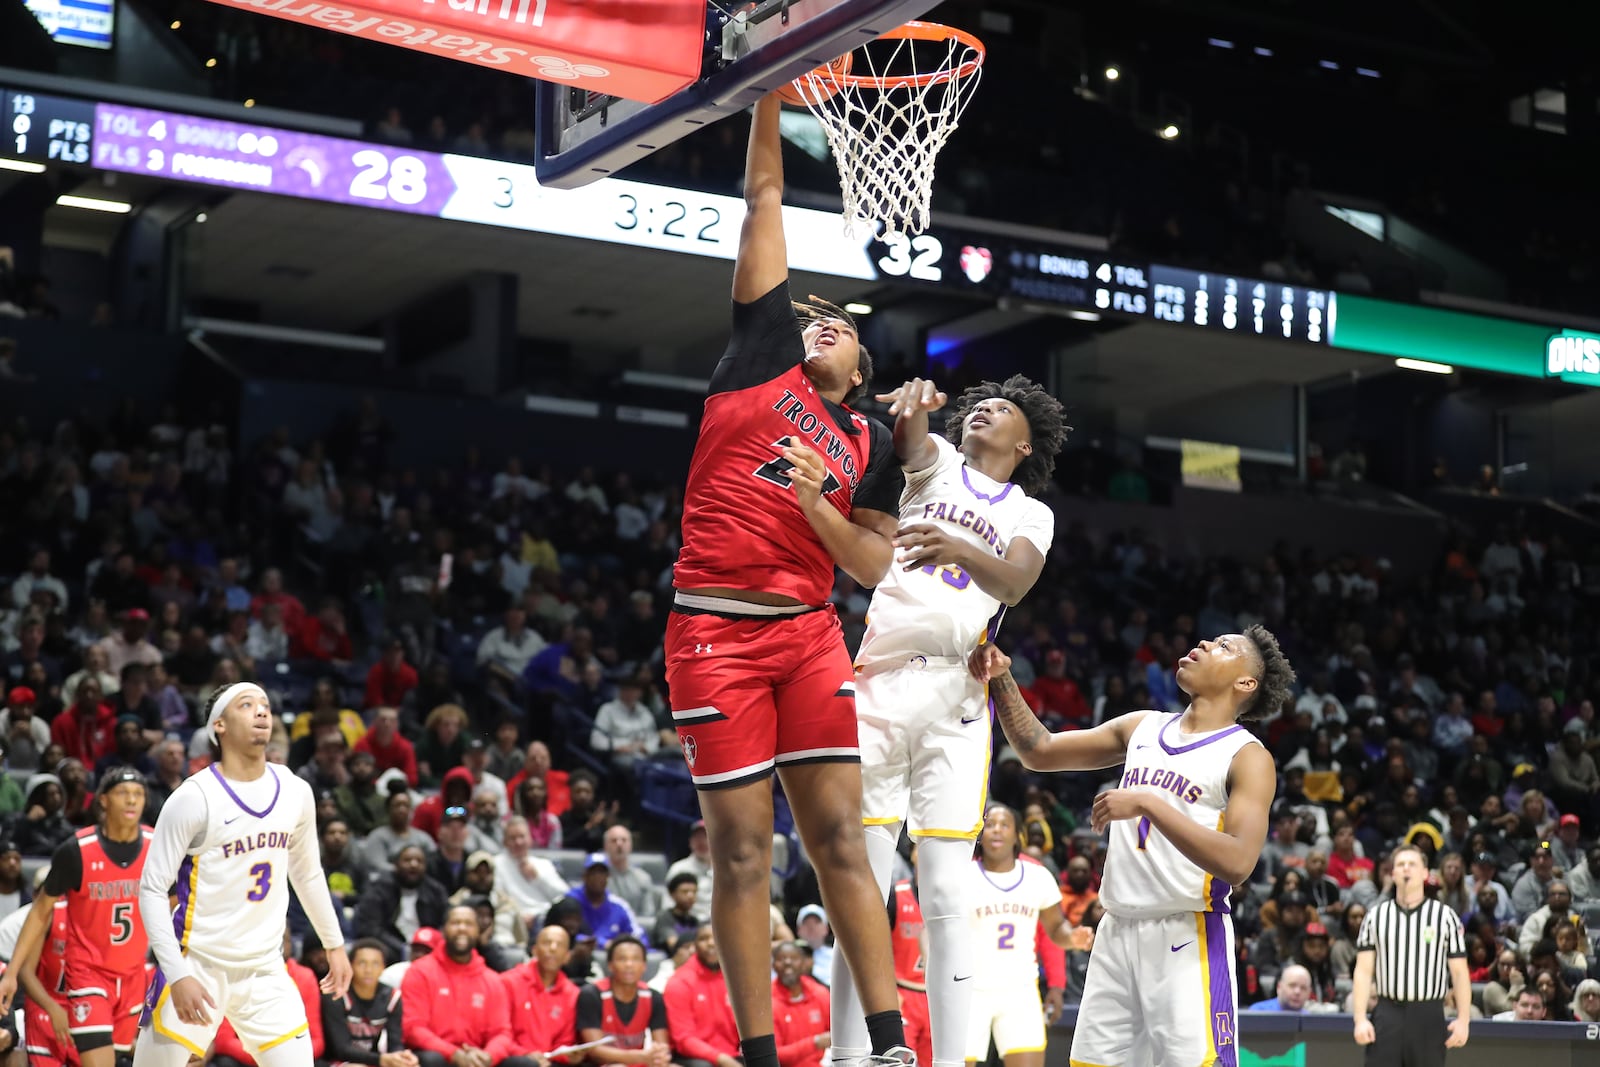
763 260
910 405
1038 748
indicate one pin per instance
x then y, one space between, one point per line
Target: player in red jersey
910 967
96 872
786 482
45 982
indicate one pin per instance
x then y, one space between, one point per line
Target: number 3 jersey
941 611
227 848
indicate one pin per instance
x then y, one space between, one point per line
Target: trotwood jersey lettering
815 427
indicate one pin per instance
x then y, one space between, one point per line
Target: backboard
585 136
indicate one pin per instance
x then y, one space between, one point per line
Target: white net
887 110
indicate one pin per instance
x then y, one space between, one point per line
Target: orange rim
913 31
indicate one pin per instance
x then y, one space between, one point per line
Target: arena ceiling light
856 307
1112 74
1169 132
1425 365
23 165
90 203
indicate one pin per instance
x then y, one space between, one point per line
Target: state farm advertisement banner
637 49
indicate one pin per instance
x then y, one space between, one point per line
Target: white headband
229 695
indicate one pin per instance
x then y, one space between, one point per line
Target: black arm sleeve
588 1009
336 1035
765 342
66 869
658 1011
883 481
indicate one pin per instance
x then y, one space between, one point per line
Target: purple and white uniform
1003 909
1160 987
232 849
924 722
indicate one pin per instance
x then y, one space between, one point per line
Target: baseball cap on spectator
1571 820
455 813
1316 930
811 911
136 614
130 716
476 744
478 857
428 937
1294 899
1487 859
21 695
9 846
1523 768
1575 726
596 859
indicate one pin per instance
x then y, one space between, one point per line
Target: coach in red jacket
456 1009
800 1013
544 1001
699 1017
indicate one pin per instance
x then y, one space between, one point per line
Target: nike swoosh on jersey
1180 948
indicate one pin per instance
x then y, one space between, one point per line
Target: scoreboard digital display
46 128
1242 305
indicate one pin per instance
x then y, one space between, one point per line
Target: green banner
1295 1057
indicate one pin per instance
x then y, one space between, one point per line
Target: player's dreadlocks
1046 428
812 309
1272 686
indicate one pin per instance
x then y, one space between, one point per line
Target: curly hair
1046 428
1272 684
815 309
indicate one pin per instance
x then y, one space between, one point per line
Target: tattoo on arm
1022 727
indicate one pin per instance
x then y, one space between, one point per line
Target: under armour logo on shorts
702 648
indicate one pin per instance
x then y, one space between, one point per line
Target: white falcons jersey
941 611
1146 876
233 884
1003 909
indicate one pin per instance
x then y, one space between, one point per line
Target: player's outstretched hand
988 662
8 990
923 544
191 1001
1365 1034
1114 805
807 473
917 396
1457 1035
338 977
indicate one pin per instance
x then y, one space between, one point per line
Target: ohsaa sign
637 49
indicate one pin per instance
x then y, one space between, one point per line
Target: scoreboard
44 128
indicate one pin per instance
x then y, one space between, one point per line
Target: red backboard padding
637 49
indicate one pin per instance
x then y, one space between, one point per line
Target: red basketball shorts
919 1031
44 1050
749 694
103 1008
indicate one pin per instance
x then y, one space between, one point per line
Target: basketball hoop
887 109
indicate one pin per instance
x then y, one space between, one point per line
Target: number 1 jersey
941 611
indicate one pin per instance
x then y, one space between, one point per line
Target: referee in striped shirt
1409 950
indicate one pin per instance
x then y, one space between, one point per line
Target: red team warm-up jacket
448 1005
796 1023
541 1019
698 1013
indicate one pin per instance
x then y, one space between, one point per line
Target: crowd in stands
465 665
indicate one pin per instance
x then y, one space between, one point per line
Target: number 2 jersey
941 611
99 881
742 528
1003 909
231 849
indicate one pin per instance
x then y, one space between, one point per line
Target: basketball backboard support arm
765 45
